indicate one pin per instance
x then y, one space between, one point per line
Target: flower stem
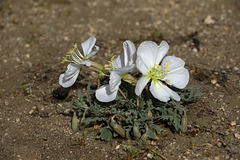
122 93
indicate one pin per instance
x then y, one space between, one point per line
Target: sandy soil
36 34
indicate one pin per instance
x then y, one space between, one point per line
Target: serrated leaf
71 105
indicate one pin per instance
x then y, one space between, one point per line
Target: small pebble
219 144
237 135
149 155
195 50
213 81
117 147
17 119
27 45
209 20
233 123
27 55
66 38
235 68
31 111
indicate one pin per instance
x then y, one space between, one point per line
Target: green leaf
105 134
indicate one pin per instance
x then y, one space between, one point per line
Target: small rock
195 50
209 20
233 123
27 45
31 111
117 147
27 55
149 155
66 38
219 144
216 158
213 81
218 85
237 135
17 119
235 68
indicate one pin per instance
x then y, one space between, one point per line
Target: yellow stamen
159 72
110 65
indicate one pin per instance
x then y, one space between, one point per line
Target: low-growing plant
127 106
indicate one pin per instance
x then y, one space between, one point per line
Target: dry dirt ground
36 34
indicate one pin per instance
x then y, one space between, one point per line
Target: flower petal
162 92
162 51
158 92
104 94
119 62
141 83
93 52
126 69
141 66
68 78
178 78
88 45
115 81
86 62
175 62
173 94
129 52
148 50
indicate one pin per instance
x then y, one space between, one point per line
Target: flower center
109 66
159 72
74 56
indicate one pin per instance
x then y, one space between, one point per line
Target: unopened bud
136 131
74 122
118 128
184 122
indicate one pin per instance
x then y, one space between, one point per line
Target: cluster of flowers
149 60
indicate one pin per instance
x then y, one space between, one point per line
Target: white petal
162 92
126 69
93 52
115 81
119 62
148 50
141 66
129 52
175 62
158 92
178 78
68 78
127 57
104 94
141 83
173 94
86 62
162 51
88 45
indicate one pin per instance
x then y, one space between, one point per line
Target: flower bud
74 122
149 115
118 128
184 122
136 131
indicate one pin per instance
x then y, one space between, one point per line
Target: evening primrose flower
118 68
171 71
76 59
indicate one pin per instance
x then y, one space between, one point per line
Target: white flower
76 58
171 71
118 67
